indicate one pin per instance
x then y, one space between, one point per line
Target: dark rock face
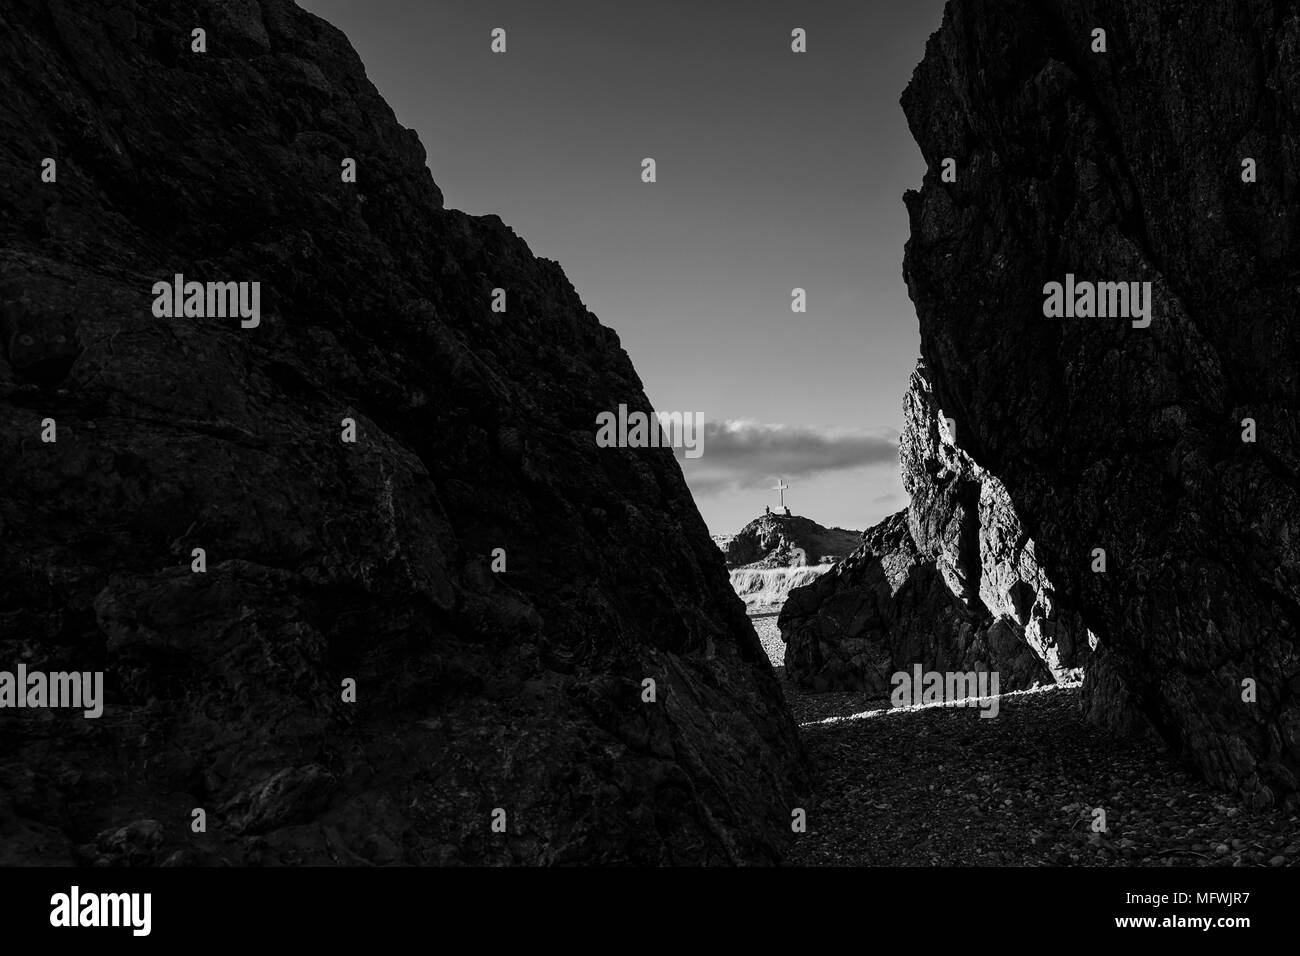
475 690
788 541
1127 166
871 615
951 583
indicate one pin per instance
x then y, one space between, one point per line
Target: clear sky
775 170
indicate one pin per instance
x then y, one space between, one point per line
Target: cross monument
781 487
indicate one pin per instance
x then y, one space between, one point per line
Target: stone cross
781 487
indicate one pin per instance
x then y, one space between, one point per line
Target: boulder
390 639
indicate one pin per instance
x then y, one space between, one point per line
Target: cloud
742 453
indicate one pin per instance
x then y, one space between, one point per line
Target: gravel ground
943 786
764 622
807 707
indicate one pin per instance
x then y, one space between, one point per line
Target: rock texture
475 690
766 589
788 541
1127 165
776 553
951 583
961 517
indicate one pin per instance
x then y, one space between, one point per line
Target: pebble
1019 789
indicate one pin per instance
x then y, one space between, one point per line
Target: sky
775 170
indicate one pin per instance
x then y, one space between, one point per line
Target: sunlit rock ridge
951 583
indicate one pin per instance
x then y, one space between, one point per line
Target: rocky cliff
766 589
201 529
951 582
788 541
776 553
1152 458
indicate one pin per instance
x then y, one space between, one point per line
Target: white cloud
742 453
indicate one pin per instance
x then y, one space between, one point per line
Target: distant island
774 554
786 541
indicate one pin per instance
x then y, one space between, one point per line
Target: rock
961 515
136 844
293 795
1126 166
776 553
951 583
476 688
764 590
788 541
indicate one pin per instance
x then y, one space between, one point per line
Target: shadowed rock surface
1127 166
475 690
950 582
